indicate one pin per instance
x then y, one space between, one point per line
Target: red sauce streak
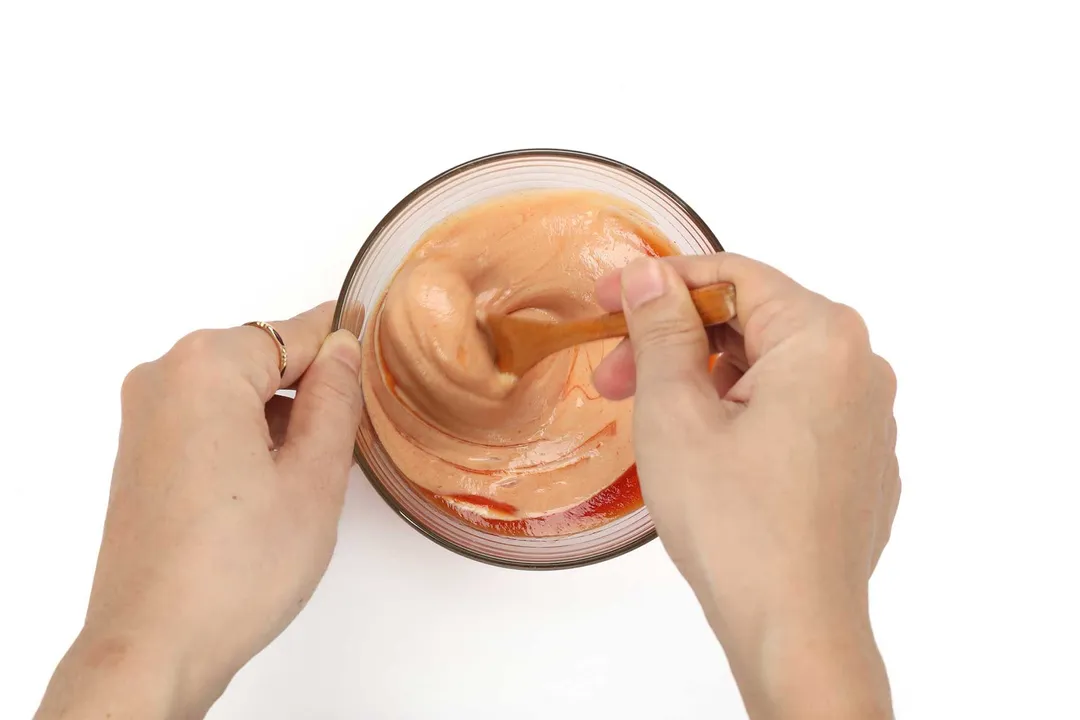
616 500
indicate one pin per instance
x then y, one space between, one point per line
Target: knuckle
134 382
193 356
888 377
848 325
848 340
340 388
195 345
676 333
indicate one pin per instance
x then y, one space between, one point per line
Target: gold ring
283 356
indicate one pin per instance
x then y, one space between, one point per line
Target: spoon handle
520 343
715 304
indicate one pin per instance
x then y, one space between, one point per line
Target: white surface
170 166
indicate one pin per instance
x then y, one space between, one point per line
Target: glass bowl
383 252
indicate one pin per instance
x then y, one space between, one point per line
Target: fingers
325 414
615 376
670 348
769 304
247 356
609 291
257 353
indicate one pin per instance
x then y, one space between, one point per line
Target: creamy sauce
489 447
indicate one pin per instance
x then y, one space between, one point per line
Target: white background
166 166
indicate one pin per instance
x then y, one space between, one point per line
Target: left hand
222 516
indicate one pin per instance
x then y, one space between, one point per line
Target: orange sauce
621 497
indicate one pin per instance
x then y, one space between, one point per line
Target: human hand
772 480
222 516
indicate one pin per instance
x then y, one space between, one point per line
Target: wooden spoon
520 343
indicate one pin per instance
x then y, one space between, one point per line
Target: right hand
772 480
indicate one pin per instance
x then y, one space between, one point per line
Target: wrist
808 653
121 676
820 667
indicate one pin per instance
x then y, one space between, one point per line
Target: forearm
116 678
811 672
811 659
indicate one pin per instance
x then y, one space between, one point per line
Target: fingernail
642 280
344 346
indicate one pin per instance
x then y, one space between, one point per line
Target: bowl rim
390 216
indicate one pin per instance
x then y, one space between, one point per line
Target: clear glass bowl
383 252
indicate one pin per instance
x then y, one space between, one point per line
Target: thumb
326 412
671 350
